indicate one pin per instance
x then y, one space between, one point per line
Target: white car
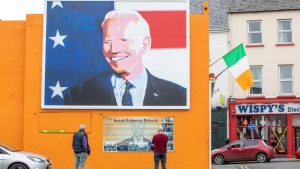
15 159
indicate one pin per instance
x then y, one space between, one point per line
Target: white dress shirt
137 91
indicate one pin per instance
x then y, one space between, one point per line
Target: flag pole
216 61
221 73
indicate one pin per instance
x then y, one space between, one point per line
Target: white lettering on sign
267 108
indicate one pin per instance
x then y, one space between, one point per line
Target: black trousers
160 156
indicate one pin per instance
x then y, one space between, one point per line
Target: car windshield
6 147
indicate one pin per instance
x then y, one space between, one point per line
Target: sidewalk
284 159
276 163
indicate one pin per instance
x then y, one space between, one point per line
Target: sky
17 9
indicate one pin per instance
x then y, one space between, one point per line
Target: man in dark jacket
81 147
160 141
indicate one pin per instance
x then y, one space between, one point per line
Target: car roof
259 140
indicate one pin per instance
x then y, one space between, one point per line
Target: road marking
244 167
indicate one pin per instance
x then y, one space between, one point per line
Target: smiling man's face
122 49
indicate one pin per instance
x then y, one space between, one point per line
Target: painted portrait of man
117 71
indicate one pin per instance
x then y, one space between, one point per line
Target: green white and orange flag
236 61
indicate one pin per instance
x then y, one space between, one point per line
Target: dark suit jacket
99 91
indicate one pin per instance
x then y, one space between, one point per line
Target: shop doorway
297 138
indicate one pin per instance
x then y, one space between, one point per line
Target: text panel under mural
134 133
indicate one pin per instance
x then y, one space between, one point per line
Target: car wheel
219 159
18 166
261 158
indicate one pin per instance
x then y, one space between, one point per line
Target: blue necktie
127 98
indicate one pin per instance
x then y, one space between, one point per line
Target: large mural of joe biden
116 55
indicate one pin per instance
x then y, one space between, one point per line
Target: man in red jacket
160 141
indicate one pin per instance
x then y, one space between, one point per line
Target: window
286 79
254 32
2 152
236 144
248 143
284 31
256 88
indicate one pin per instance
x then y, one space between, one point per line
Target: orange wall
191 126
12 48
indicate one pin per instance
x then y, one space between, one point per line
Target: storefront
275 120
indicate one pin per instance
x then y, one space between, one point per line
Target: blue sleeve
84 143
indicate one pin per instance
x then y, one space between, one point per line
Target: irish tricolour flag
236 61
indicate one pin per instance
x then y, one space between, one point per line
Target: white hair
160 128
82 126
135 30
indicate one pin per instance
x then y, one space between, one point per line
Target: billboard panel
116 55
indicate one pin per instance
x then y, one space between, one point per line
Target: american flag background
72 47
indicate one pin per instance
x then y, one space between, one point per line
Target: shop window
256 88
296 120
286 79
254 32
243 132
284 31
270 128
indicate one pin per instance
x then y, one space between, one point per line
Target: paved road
274 164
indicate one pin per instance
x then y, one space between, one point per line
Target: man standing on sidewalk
81 147
160 141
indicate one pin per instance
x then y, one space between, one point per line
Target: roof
196 6
243 6
218 9
218 14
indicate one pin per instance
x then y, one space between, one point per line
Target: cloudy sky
17 9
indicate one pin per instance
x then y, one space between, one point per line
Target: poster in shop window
134 134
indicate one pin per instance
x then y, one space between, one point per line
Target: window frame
283 31
250 33
254 80
285 80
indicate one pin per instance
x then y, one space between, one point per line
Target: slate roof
218 12
242 6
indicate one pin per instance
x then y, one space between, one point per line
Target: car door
234 151
1 160
250 146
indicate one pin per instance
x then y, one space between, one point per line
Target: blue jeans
160 156
80 159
